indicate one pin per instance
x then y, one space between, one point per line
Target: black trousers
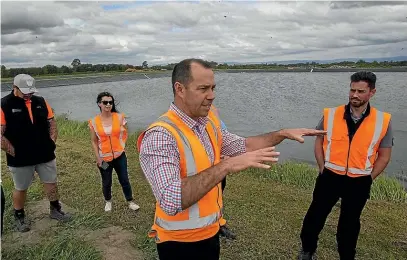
208 249
223 184
120 166
329 187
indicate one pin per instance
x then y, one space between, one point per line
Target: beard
354 102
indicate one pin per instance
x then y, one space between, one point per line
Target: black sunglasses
107 102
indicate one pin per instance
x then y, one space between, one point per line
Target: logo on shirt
15 110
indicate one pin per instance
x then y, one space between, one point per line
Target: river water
249 104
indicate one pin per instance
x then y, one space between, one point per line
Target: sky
161 32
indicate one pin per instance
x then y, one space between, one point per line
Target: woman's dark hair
106 94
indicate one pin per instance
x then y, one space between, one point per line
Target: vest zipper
347 159
111 146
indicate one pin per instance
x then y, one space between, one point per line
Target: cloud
16 17
166 32
361 4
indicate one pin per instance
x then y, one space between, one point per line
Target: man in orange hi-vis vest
180 157
356 149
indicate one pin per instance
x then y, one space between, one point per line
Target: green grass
264 207
62 246
302 175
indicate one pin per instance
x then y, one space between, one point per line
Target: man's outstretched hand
297 134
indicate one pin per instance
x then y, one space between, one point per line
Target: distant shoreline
399 69
91 78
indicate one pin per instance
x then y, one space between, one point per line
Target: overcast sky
40 33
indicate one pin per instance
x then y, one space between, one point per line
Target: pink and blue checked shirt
159 158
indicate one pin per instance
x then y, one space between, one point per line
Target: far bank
114 76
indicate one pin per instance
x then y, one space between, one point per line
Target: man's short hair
182 71
366 76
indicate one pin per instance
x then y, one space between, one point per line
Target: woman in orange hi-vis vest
109 136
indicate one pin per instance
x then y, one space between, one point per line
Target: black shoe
59 215
225 232
306 256
21 224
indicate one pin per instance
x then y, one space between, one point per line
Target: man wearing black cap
28 136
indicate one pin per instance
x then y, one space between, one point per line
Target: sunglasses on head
107 102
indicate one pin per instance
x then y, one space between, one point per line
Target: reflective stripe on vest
331 116
194 221
368 167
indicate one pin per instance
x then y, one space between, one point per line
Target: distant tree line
78 67
309 65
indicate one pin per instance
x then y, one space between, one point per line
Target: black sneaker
21 224
59 215
306 256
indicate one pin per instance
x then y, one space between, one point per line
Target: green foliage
77 67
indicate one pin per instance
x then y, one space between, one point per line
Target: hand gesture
256 159
296 134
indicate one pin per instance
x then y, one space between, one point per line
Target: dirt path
113 242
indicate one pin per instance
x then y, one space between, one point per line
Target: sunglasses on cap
107 102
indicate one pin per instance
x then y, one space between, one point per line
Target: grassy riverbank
264 208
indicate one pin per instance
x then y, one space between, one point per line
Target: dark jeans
329 187
208 249
120 166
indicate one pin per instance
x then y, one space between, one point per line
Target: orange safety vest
201 220
222 220
354 158
113 145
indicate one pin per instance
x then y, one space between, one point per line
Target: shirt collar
191 123
348 111
351 111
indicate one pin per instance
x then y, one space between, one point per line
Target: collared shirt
354 118
160 159
353 125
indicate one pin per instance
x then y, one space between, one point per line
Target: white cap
25 83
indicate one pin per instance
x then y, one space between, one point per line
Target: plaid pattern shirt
160 158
